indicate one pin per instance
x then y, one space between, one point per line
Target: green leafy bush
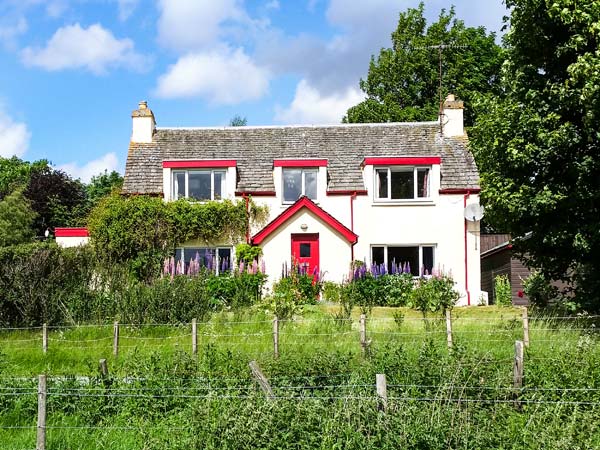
539 290
434 294
247 253
397 289
502 291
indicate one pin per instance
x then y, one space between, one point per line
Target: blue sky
71 71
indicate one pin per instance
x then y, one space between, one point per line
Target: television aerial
474 212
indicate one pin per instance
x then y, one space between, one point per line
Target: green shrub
502 291
434 294
247 253
397 289
539 290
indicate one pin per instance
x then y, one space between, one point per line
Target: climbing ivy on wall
141 230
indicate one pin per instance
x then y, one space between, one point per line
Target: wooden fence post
194 337
41 420
262 380
381 384
103 367
449 329
45 338
518 371
525 327
363 334
275 337
116 339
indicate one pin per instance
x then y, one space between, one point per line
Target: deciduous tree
538 144
403 81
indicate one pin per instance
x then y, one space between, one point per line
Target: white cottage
383 193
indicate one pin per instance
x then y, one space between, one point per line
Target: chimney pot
143 104
452 117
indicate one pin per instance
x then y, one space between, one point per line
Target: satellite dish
474 212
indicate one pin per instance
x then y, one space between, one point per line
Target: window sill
408 202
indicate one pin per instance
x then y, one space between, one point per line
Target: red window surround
198 163
403 161
300 163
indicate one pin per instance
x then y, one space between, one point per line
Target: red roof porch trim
193 163
348 192
305 202
402 161
300 163
71 232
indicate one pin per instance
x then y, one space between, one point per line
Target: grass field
159 395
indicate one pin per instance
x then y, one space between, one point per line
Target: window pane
219 181
292 184
423 182
377 255
310 184
178 185
199 185
382 183
406 258
224 259
402 184
304 250
427 260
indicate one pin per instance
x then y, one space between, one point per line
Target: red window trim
255 193
403 161
300 163
348 192
195 163
305 202
71 232
460 191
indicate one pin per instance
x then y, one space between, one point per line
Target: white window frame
303 171
216 249
420 246
174 194
390 169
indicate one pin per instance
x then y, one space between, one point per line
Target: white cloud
14 137
273 4
223 76
56 8
93 48
186 25
11 29
108 162
310 106
126 8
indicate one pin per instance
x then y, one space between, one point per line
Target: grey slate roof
255 148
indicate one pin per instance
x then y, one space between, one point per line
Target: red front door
305 252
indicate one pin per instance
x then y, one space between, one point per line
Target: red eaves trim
460 191
193 163
300 163
305 202
71 232
348 192
402 161
255 193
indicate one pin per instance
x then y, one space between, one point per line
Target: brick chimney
143 124
452 117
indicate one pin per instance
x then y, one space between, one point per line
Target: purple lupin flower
408 267
262 266
383 269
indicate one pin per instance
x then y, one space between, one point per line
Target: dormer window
299 182
199 185
403 178
402 183
300 177
199 180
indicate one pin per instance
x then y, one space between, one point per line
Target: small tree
238 121
16 219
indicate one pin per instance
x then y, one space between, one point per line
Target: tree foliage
15 173
403 81
102 185
143 230
57 199
16 219
238 121
537 144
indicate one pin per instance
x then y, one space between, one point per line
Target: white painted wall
438 221
72 241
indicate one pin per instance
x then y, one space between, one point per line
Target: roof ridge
338 125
